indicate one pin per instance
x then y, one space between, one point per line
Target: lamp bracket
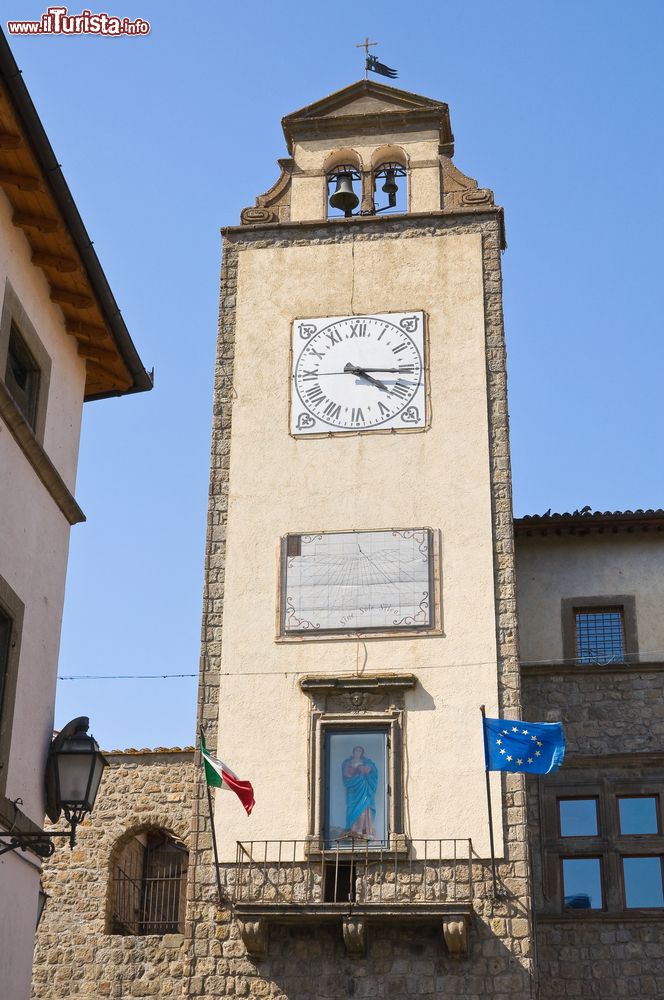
42 843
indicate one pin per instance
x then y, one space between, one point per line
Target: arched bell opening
344 191
390 187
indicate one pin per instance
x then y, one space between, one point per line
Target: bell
344 197
390 187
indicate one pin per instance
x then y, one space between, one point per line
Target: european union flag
528 747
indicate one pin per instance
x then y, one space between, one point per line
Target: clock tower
359 600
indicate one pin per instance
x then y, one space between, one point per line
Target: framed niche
355 762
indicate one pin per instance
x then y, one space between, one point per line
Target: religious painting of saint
356 789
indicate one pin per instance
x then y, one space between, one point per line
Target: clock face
358 373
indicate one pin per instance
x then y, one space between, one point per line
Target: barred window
600 635
148 890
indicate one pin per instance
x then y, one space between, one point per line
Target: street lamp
74 768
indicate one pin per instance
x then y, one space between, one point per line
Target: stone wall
604 709
614 723
75 956
594 958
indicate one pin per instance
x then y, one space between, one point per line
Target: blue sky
164 138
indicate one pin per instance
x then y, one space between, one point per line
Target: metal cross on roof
366 45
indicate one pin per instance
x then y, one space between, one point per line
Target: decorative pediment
365 97
366 106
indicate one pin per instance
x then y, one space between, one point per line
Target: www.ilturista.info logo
58 21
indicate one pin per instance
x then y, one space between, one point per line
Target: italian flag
218 775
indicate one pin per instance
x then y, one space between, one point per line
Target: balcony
354 885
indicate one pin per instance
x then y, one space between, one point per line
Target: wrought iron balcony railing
289 872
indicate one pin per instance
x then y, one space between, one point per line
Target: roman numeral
356 416
315 393
401 389
383 332
399 349
384 412
358 329
332 411
308 376
407 369
334 337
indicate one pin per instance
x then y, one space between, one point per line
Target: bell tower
359 600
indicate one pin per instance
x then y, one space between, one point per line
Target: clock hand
360 372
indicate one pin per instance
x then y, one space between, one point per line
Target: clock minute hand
360 372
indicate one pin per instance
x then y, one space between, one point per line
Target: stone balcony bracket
254 919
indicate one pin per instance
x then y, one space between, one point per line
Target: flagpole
488 804
214 834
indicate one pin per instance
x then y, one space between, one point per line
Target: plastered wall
278 484
555 567
34 534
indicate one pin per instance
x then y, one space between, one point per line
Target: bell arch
390 169
343 171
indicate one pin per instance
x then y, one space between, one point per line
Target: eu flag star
499 742
519 760
508 757
537 753
515 729
524 732
530 760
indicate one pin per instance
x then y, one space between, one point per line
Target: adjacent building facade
367 590
62 341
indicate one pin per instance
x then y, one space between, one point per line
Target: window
603 847
600 635
599 630
11 626
358 582
22 376
148 885
643 882
582 883
578 817
25 366
5 638
638 814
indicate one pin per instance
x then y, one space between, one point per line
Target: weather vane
372 64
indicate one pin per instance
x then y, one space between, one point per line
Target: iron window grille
149 883
600 635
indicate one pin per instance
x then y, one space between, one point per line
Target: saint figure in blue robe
360 777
